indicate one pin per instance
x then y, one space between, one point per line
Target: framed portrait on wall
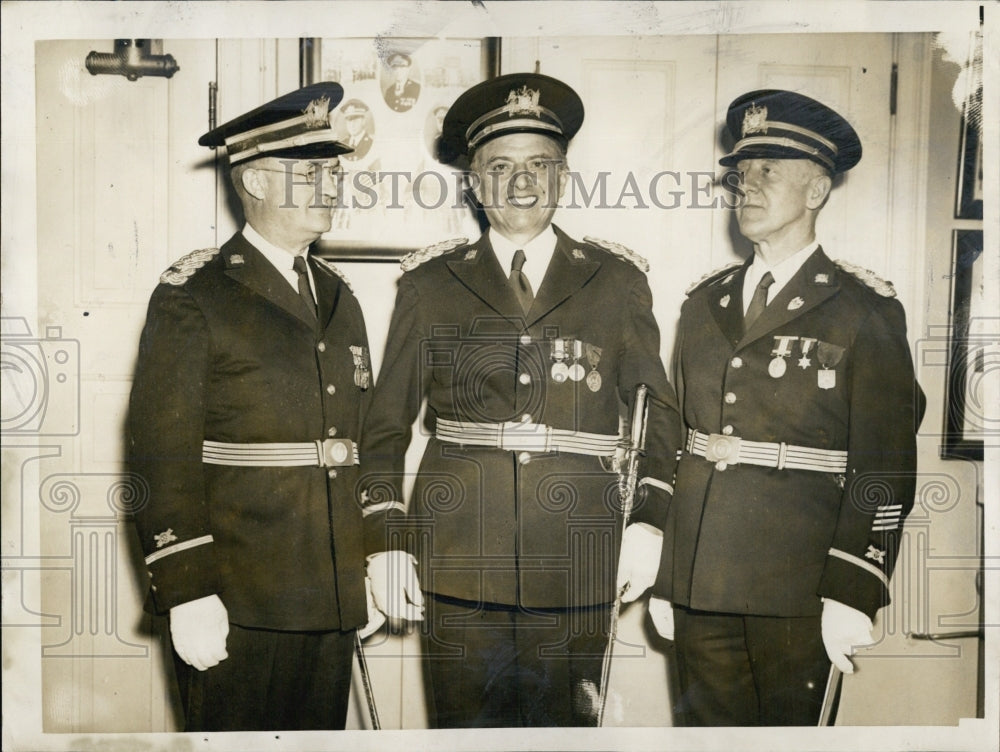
396 194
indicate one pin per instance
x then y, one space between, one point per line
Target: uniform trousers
504 666
271 681
743 670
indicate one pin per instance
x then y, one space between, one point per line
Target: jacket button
321 347
153 588
330 389
736 362
332 472
524 457
525 339
727 430
524 378
730 398
720 465
332 431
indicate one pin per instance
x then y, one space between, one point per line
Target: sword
636 448
826 712
366 681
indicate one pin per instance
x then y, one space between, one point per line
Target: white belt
526 437
732 450
318 453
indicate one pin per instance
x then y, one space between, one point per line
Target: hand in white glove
395 587
661 613
375 617
639 560
199 629
844 629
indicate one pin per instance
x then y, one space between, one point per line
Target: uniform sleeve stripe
858 562
385 506
657 484
177 548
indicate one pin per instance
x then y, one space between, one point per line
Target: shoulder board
330 267
183 268
621 252
714 276
412 260
868 277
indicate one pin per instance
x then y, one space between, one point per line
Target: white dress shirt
281 259
781 272
537 254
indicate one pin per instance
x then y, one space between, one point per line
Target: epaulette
412 260
714 275
327 265
621 251
183 268
868 277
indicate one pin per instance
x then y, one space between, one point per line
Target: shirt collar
280 259
537 253
782 272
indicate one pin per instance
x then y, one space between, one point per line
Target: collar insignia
470 255
795 304
724 301
578 254
822 279
236 259
754 120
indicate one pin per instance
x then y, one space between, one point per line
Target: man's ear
253 183
819 189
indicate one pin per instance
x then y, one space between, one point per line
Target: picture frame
969 196
396 196
966 422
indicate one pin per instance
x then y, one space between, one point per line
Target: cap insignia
523 101
755 120
317 113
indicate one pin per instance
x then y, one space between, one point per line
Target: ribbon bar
733 450
526 437
318 453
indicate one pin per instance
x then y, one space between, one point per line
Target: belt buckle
531 437
722 448
337 453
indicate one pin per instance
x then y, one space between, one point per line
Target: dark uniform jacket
229 353
758 540
539 529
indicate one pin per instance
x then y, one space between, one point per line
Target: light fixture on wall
133 58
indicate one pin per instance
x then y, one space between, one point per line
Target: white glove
639 560
395 587
844 629
661 613
375 617
199 629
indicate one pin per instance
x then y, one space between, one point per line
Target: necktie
758 302
519 283
305 292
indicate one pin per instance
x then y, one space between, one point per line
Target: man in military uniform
249 393
800 406
526 345
355 114
403 93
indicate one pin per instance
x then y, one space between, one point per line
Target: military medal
577 371
783 348
807 343
362 372
559 369
828 356
593 357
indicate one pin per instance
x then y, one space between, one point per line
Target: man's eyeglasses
313 174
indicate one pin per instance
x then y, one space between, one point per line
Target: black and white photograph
500 375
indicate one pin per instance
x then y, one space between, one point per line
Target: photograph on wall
448 375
